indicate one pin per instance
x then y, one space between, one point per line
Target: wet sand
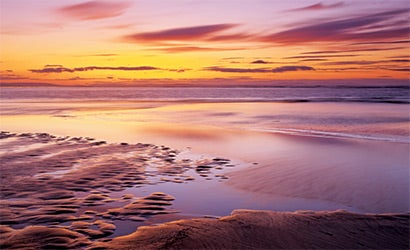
72 192
80 192
366 176
248 229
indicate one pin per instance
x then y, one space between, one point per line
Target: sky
124 42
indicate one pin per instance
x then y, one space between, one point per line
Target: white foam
318 133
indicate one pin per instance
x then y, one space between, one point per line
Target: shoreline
370 121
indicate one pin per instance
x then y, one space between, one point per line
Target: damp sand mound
248 229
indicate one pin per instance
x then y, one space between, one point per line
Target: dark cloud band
259 70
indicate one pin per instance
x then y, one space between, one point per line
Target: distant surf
318 133
394 94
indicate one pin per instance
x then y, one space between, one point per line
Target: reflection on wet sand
44 185
108 187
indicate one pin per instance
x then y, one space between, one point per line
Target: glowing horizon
81 42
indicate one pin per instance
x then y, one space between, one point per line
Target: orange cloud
94 10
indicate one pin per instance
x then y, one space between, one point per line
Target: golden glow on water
206 122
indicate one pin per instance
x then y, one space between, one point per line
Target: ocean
398 94
378 113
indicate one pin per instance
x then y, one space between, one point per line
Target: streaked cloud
231 37
179 34
94 10
400 60
260 62
291 68
259 70
60 69
384 42
237 70
399 69
98 55
364 62
120 26
313 60
182 70
319 56
400 56
351 63
90 68
349 50
320 6
53 66
182 49
348 29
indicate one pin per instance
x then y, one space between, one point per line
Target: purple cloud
291 68
319 6
237 70
52 70
259 70
260 62
90 68
182 49
399 69
349 50
351 62
400 60
388 42
367 62
179 70
348 29
179 34
313 60
230 37
319 56
94 10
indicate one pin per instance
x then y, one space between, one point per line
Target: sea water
395 94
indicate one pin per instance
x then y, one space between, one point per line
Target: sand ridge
250 229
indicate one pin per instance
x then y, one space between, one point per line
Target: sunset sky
134 42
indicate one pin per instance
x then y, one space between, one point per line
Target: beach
95 174
204 124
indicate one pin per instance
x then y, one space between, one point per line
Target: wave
396 95
328 134
212 100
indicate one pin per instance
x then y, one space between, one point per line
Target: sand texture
71 191
75 193
247 229
365 182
